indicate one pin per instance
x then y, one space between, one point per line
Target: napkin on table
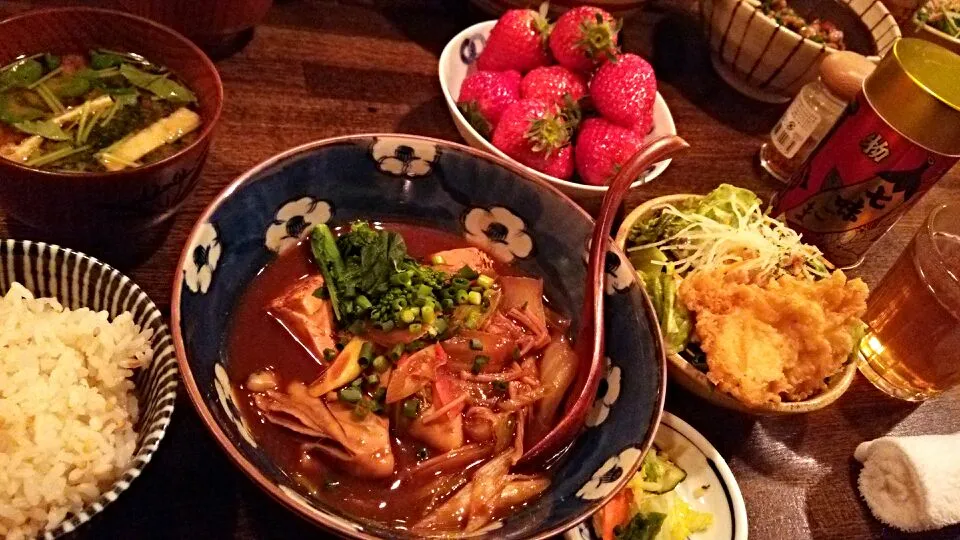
912 483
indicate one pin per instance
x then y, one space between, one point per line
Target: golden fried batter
774 342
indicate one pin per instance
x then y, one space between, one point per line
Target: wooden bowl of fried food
696 378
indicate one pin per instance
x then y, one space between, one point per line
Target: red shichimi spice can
895 140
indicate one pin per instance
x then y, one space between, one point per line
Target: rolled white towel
912 483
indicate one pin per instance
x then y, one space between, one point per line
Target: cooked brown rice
67 408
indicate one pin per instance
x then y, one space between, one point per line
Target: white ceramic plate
705 467
457 61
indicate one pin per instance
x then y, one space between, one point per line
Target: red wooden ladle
589 346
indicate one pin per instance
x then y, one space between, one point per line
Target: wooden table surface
319 69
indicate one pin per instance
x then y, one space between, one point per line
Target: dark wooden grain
319 69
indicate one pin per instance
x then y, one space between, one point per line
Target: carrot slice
615 513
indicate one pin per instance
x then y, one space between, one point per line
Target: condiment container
894 142
813 112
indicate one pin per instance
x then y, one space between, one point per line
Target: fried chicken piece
774 342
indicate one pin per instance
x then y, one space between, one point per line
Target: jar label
795 127
857 184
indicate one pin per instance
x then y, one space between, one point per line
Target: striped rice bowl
67 407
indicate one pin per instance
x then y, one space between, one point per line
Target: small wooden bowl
694 380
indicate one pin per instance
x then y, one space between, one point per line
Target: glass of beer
912 346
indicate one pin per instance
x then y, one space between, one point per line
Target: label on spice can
795 127
857 184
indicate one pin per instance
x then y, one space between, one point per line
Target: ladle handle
589 345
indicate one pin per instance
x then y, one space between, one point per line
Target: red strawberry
583 37
624 90
535 133
518 41
602 148
484 95
553 84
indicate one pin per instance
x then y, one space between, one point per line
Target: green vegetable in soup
104 60
90 117
48 129
20 74
51 61
327 257
372 281
158 85
13 110
69 86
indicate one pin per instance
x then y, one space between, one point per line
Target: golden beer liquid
912 349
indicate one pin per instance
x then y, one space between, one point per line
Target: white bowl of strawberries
561 100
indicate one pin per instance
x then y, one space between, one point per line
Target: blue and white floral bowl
446 186
457 61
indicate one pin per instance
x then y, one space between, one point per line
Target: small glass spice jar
813 112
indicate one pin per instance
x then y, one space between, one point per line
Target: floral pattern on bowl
487 201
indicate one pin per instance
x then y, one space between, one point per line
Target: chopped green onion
440 325
424 290
478 362
461 296
500 385
387 326
485 281
401 278
366 351
416 328
363 302
474 298
473 320
415 345
447 303
427 314
476 344
411 408
356 382
437 259
329 354
396 352
373 379
380 394
350 394
381 363
408 315
460 283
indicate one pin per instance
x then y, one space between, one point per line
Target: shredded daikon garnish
749 241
